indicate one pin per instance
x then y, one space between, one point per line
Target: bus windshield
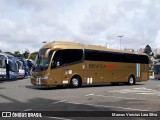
2 61
42 63
13 64
157 69
20 65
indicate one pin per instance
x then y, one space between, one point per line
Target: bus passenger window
65 57
57 60
70 56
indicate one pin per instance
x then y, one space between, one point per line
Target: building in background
156 51
129 49
141 50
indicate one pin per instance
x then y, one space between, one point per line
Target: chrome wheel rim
131 80
75 82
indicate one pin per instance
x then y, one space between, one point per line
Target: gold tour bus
75 64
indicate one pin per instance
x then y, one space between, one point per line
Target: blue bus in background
8 67
23 67
157 71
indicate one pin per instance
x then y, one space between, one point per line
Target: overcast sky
24 24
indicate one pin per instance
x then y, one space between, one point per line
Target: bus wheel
75 82
131 80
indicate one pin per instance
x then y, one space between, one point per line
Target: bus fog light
68 72
45 77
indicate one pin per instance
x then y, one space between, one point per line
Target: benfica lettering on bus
108 66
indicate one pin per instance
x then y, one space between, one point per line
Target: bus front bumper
40 81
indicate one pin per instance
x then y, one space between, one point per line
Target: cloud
24 24
28 23
157 39
136 20
97 21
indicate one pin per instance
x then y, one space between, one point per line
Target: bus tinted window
71 56
43 63
57 60
13 66
2 61
42 51
65 57
20 65
115 57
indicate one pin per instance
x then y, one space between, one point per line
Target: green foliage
33 56
158 56
9 53
148 50
18 54
25 54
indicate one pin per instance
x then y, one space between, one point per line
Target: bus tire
75 82
131 80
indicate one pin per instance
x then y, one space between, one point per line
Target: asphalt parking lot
101 101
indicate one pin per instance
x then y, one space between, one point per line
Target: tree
10 53
17 54
148 50
158 56
25 54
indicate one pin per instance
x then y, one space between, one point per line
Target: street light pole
120 36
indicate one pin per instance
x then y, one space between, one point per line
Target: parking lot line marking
90 94
27 110
111 96
122 98
130 91
104 106
59 118
141 90
58 102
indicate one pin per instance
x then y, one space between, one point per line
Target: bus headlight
45 77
